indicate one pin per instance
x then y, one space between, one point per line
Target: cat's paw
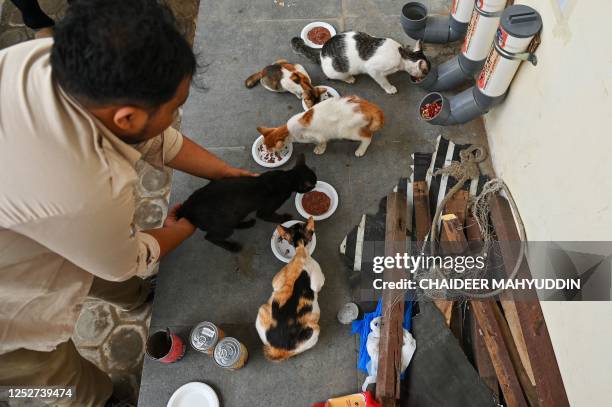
360 153
319 149
391 90
350 79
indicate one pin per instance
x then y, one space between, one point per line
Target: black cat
221 206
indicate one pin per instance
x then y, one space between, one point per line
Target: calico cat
282 76
288 324
352 53
221 206
349 118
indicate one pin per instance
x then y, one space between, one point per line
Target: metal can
230 353
204 337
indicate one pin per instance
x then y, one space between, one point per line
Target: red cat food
431 110
316 203
319 35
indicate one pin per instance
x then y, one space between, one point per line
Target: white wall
551 141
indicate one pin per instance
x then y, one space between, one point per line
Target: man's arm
196 160
173 233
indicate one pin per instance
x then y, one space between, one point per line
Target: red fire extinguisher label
501 37
488 68
470 32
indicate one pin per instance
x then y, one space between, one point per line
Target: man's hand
172 233
239 172
172 221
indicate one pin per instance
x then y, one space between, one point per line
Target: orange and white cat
348 118
288 324
282 76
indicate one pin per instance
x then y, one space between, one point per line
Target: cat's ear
319 90
284 233
310 225
301 161
264 130
418 46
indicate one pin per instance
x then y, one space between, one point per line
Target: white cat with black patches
353 53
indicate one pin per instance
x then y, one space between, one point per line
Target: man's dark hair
120 51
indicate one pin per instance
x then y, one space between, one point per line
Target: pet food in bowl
316 202
431 110
270 159
321 203
319 35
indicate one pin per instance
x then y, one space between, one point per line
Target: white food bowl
310 26
194 394
282 249
285 153
327 190
330 91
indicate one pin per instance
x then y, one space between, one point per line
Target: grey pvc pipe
460 108
454 72
418 25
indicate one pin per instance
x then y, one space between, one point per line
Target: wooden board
494 341
549 383
391 335
517 335
481 356
422 214
521 372
457 205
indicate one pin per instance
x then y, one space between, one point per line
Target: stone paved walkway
106 335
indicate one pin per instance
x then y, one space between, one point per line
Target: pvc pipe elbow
458 109
418 25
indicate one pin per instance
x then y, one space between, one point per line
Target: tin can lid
204 335
348 313
521 21
227 352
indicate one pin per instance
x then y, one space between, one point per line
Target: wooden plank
452 242
494 341
481 356
452 239
391 336
422 213
457 205
472 231
528 387
517 335
549 383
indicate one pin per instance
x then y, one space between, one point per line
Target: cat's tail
276 354
253 80
301 48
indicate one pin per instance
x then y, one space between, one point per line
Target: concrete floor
202 282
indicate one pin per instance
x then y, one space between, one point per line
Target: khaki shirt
66 203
